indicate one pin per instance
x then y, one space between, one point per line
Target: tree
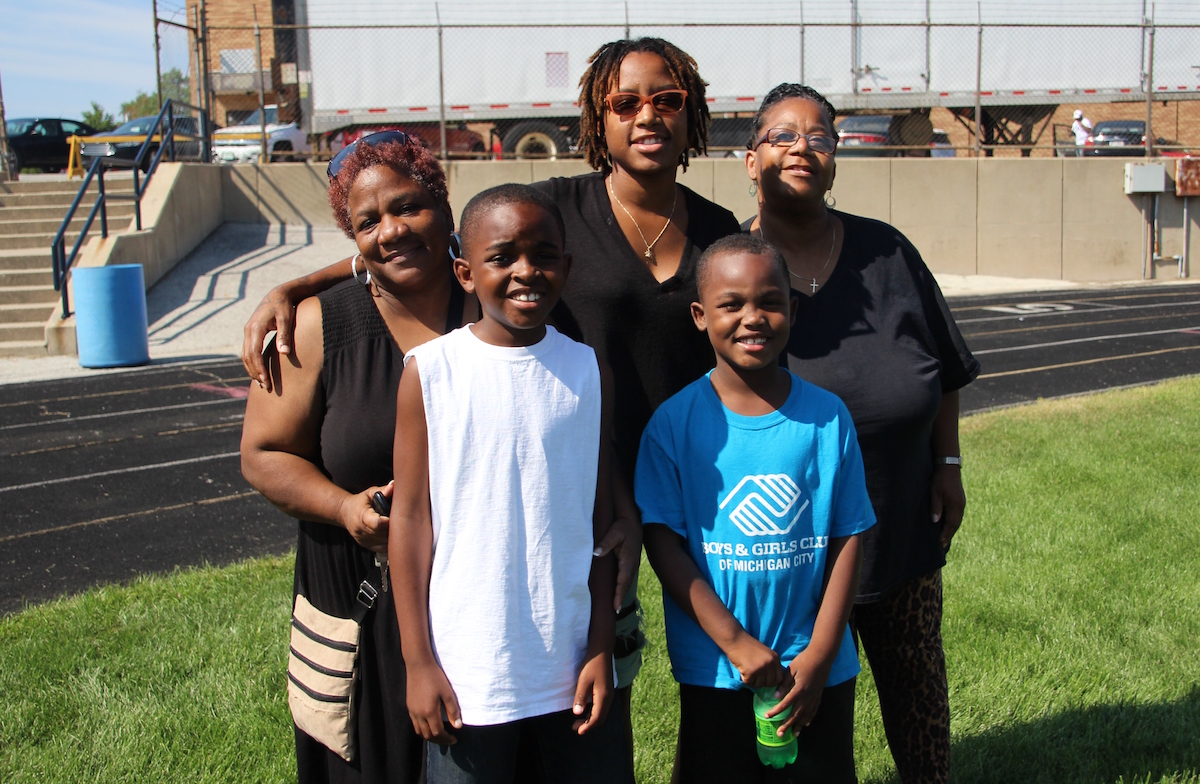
176 86
98 118
143 105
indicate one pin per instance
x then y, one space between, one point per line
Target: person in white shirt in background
1082 128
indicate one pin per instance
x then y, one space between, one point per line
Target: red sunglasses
626 105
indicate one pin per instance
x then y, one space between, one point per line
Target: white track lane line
1082 340
1027 316
125 413
115 471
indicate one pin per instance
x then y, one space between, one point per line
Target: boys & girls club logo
765 505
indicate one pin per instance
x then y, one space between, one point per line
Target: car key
382 506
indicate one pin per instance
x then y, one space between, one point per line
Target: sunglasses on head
786 137
626 105
371 139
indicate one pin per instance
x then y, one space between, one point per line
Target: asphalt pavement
106 475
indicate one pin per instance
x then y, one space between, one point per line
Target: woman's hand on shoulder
275 312
359 518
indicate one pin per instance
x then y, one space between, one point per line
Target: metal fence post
441 82
979 86
928 39
802 43
854 69
626 20
262 97
1150 89
205 71
4 162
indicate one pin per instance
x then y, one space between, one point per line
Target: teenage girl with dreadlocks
635 235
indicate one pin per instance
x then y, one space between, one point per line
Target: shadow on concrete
229 255
1098 744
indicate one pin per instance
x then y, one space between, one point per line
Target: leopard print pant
902 636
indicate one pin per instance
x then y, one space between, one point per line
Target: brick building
233 66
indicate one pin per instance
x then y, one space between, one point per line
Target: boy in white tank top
505 615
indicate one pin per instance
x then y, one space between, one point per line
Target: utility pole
157 54
262 97
4 162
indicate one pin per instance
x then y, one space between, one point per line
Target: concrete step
38 241
63 196
12 295
111 182
26 312
23 348
27 277
116 208
25 259
51 226
30 330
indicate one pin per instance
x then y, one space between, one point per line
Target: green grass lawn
1072 630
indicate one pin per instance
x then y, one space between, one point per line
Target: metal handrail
157 133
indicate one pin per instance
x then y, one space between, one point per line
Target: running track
105 478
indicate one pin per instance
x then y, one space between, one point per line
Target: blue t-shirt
757 499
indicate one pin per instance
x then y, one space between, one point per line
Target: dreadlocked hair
601 76
786 91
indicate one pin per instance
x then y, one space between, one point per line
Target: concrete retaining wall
182 205
1060 218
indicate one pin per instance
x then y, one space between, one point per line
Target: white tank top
514 440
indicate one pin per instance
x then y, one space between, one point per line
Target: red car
459 141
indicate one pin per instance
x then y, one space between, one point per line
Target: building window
237 61
556 69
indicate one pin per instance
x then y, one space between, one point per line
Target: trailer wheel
536 139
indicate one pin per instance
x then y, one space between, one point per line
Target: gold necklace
832 243
649 245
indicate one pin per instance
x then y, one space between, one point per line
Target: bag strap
368 590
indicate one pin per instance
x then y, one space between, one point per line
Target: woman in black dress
873 328
319 444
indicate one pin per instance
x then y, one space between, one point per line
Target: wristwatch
954 461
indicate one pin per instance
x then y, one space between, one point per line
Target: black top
359 379
880 336
642 328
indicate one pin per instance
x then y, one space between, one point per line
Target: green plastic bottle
772 749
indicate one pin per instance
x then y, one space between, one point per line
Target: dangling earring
830 200
354 269
753 188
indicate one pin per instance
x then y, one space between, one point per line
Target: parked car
459 140
186 149
1117 137
243 143
41 142
862 135
940 145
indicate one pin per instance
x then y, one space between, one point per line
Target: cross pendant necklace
649 245
828 258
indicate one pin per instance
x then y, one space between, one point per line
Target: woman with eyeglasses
635 234
318 443
872 327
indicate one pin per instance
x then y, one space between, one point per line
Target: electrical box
1145 178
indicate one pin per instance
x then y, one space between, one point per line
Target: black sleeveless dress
359 378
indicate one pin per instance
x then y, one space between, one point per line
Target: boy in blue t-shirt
751 486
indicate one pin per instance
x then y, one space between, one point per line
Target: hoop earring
753 188
830 200
354 270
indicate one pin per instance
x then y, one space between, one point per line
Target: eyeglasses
371 139
785 137
626 105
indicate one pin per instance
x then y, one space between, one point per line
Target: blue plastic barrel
110 315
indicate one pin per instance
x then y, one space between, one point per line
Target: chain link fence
945 79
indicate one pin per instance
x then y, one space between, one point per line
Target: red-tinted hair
409 158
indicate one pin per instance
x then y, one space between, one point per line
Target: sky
57 56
